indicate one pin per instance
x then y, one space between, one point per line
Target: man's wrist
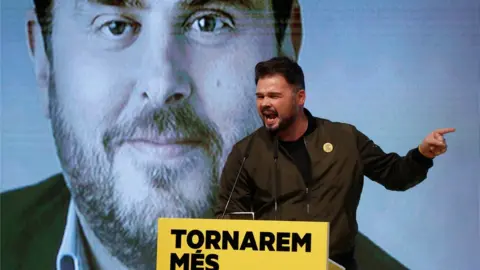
422 153
420 150
421 158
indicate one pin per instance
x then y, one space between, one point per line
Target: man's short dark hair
284 66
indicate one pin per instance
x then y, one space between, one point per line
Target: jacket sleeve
391 170
241 195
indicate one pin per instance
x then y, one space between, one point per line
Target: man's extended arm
391 170
241 196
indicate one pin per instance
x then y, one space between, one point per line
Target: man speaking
300 167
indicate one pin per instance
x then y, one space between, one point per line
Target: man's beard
283 122
126 224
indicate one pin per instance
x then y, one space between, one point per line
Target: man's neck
296 130
100 257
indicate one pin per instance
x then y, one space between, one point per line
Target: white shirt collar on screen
71 255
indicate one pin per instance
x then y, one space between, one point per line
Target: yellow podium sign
241 244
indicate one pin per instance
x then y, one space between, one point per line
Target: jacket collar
312 122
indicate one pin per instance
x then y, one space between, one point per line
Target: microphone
275 176
247 153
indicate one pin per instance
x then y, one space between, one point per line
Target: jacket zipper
306 184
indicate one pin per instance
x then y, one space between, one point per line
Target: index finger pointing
442 131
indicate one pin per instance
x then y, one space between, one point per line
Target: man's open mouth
270 117
270 114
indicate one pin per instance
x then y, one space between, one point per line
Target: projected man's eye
209 27
114 32
117 28
209 23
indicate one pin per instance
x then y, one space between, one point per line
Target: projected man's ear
38 55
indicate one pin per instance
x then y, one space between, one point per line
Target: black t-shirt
298 152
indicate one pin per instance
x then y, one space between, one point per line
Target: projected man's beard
121 198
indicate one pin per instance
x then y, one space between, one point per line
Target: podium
242 244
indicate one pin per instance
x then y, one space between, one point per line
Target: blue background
395 69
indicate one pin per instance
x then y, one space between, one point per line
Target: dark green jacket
340 156
33 222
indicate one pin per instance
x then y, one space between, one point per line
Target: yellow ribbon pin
328 147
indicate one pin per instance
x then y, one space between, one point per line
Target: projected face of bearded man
146 99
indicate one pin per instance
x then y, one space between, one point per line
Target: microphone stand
247 153
275 174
